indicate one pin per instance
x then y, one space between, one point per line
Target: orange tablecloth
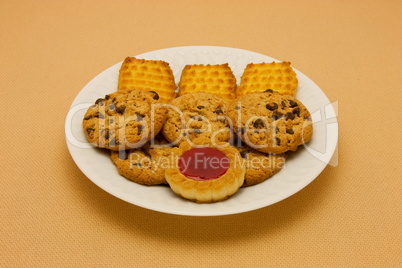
51 215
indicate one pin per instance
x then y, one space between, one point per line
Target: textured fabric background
51 215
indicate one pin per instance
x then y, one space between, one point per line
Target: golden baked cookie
258 77
197 116
217 79
124 119
259 166
145 165
205 174
150 75
270 122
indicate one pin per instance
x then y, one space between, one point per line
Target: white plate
302 167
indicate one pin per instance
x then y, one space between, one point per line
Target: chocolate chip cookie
270 122
259 166
145 165
197 117
124 119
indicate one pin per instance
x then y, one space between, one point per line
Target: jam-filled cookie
270 122
123 120
206 174
197 116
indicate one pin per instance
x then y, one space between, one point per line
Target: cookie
217 79
145 165
123 120
270 122
278 76
205 174
259 166
150 75
197 117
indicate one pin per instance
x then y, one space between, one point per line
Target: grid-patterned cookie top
258 77
217 79
150 75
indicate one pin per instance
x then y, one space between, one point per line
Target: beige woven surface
51 215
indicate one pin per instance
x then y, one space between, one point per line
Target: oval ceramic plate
301 168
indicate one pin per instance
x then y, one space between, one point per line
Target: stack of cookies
148 129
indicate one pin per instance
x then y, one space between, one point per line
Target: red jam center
204 163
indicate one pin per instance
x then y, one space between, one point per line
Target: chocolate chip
200 107
140 116
112 107
218 111
283 103
140 128
89 130
88 117
273 106
307 118
296 111
156 97
277 115
269 91
107 97
244 153
137 164
278 141
198 118
237 108
99 115
106 133
120 109
197 131
290 131
293 103
258 123
289 116
99 102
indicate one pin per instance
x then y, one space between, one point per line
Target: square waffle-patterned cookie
217 79
150 75
258 77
